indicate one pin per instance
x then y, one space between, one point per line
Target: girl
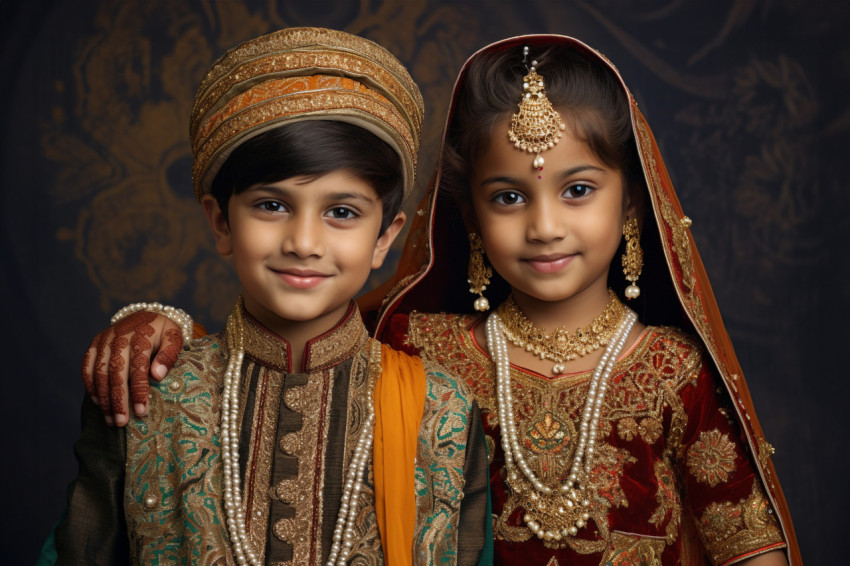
614 438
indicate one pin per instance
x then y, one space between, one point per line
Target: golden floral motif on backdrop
118 133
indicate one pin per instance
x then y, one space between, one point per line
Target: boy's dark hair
589 97
313 148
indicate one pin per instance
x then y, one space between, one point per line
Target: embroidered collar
321 352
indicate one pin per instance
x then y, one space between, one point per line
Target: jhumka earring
633 258
537 126
479 274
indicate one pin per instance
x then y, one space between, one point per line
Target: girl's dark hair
588 95
313 148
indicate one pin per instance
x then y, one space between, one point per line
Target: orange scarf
399 403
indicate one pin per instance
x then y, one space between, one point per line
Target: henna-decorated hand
120 355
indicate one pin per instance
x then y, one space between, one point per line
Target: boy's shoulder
203 360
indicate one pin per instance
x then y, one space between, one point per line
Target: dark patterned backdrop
748 99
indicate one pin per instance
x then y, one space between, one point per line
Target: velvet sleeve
93 530
734 517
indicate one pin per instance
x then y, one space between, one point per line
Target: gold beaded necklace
561 345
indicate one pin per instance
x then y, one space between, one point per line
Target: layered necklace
556 511
343 535
562 345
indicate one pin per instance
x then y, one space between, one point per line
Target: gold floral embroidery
645 387
650 430
765 451
633 550
731 530
669 503
627 429
712 458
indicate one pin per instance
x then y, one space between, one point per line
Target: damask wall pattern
748 99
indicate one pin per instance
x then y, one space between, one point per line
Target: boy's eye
341 213
270 206
508 198
578 191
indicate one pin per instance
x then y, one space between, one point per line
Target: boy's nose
303 236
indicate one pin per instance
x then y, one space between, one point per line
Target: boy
292 437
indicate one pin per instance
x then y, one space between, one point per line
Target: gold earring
633 258
479 274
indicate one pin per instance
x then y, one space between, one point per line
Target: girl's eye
508 198
342 213
578 191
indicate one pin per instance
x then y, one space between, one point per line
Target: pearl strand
497 344
178 316
234 511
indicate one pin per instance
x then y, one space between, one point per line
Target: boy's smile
551 234
303 248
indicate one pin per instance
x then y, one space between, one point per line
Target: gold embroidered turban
300 74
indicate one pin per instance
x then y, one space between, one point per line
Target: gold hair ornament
537 126
479 274
633 258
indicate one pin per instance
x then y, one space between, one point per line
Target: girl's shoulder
432 332
669 351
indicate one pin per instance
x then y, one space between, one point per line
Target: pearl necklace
560 511
343 535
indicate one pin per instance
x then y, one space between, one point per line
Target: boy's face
303 247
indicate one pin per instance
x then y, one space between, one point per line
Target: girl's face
551 234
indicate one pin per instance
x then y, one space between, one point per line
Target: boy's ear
385 240
218 224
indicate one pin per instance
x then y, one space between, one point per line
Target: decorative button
151 501
686 222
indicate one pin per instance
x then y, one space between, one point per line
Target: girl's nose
545 223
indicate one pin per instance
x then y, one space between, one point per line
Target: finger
118 370
101 375
169 349
87 371
140 355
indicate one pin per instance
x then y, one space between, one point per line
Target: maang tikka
537 126
478 272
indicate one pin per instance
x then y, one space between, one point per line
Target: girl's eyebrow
562 175
579 169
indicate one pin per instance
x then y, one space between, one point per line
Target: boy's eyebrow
283 193
350 196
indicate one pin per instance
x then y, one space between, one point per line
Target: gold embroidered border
246 74
365 370
731 530
674 236
628 549
304 106
258 468
294 39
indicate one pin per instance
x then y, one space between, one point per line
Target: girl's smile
551 263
